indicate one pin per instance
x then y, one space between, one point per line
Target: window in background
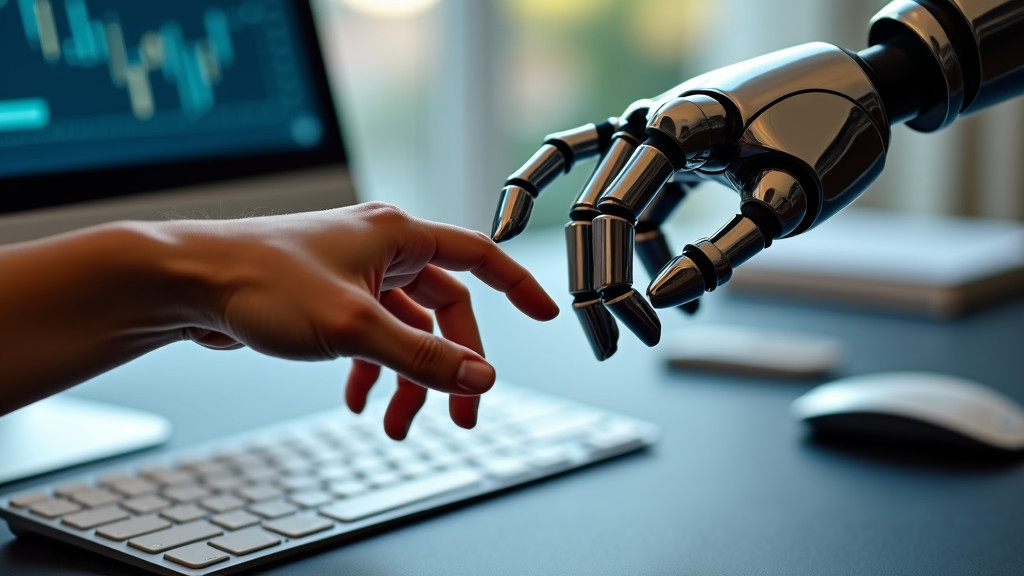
572 62
443 99
383 57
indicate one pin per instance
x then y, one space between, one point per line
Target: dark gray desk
733 487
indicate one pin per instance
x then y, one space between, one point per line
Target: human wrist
169 274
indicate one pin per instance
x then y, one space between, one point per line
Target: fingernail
476 377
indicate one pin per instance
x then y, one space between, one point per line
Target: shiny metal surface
828 139
613 252
997 27
540 170
582 141
637 184
622 148
754 85
514 208
680 282
578 241
598 326
782 194
738 241
632 310
905 16
696 124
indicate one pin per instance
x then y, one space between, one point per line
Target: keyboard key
259 474
298 526
235 520
146 504
273 509
362 506
259 492
223 483
93 497
26 499
125 529
295 483
560 426
132 486
246 541
184 513
549 456
71 487
311 498
347 488
198 555
503 466
186 493
222 503
53 507
87 519
175 536
167 476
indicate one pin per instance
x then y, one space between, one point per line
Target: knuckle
385 213
460 293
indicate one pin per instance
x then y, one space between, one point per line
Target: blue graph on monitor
148 77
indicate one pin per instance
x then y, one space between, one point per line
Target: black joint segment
704 264
690 307
634 140
525 185
583 214
764 218
615 209
565 150
614 291
667 146
962 37
636 125
605 131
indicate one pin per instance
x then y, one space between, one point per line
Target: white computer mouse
914 406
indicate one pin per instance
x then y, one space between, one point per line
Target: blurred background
443 99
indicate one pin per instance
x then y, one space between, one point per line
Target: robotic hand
798 133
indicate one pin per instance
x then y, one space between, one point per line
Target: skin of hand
365 282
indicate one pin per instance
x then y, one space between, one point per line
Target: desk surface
733 487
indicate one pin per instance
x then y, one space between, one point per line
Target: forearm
75 305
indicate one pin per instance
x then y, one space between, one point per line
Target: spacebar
370 503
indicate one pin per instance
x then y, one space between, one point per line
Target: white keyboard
234 504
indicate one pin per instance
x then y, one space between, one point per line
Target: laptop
113 109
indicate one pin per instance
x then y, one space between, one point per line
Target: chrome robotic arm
799 134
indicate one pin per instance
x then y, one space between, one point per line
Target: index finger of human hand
461 249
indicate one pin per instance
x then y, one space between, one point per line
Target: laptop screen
102 98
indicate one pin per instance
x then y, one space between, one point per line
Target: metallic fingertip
513 213
632 310
679 282
599 326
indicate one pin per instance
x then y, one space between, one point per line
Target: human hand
364 282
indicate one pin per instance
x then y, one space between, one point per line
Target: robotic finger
555 157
